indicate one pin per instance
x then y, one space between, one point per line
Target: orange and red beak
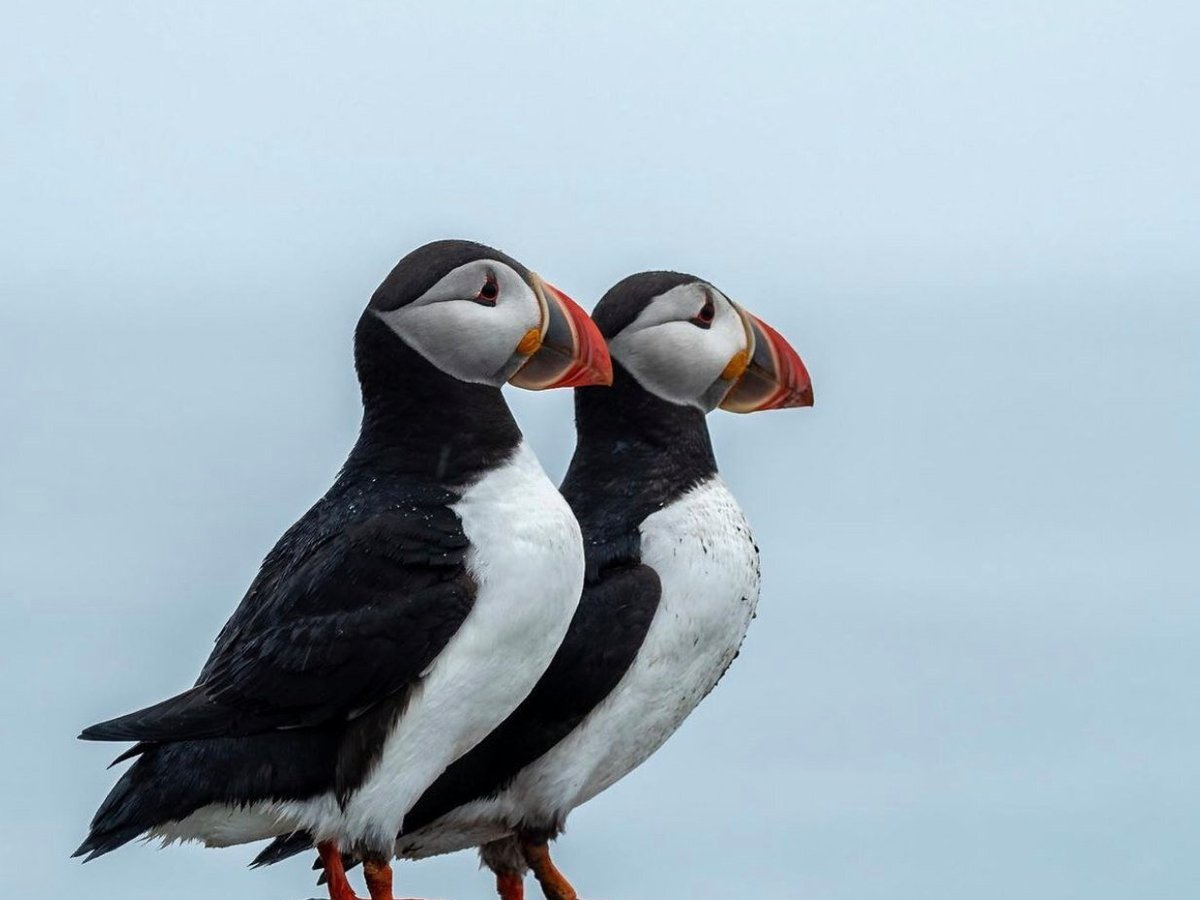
773 376
569 350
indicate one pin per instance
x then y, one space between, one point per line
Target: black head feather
424 267
625 300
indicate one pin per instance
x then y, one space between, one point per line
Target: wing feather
345 612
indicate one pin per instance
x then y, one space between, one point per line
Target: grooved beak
774 376
569 352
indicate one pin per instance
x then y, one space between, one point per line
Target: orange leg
378 872
335 872
554 884
510 886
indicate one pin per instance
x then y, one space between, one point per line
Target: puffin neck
633 444
419 421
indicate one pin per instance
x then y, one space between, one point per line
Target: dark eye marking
489 292
704 318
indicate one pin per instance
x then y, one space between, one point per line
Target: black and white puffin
672 579
408 612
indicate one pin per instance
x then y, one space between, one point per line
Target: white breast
526 557
708 564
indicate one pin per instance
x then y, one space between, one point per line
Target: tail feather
297 842
99 843
121 817
170 781
282 848
136 750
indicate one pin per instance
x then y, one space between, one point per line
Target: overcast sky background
974 671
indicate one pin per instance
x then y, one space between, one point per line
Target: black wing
608 629
609 626
349 609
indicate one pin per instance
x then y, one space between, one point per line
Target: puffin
671 583
407 613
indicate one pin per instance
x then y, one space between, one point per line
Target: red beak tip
592 364
795 386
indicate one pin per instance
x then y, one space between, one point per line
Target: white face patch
465 338
674 358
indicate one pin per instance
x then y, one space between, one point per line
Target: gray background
974 670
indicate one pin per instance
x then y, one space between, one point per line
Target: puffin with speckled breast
406 614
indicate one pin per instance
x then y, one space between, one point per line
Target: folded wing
345 612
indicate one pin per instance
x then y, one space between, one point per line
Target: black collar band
421 422
636 453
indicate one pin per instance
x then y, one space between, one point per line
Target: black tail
169 782
127 812
283 848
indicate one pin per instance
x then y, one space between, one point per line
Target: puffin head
687 343
481 317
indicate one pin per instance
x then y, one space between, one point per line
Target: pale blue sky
974 672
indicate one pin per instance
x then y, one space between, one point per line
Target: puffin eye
489 292
703 319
